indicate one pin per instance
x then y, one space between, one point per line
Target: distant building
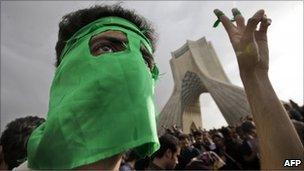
196 70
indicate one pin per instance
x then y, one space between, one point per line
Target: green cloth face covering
99 106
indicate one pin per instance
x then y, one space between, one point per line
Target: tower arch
196 69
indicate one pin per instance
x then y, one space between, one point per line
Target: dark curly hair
74 21
167 141
14 139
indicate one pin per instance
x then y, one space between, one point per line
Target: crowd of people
227 148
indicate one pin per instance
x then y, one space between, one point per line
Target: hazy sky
29 34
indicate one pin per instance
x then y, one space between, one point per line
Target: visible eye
104 49
103 44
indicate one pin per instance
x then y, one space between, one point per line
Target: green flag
99 106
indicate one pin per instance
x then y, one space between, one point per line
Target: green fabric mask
99 105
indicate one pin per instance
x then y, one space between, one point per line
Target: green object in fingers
99 106
219 13
217 22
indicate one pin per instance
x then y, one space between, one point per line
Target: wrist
250 75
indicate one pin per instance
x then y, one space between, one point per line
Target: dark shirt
299 128
230 162
185 157
233 149
295 115
142 164
253 164
201 147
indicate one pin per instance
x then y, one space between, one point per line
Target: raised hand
274 128
250 45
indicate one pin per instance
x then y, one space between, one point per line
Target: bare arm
277 136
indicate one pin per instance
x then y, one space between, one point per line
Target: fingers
240 22
225 20
265 23
253 22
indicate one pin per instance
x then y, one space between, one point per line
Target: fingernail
235 12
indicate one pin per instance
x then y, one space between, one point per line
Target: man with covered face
101 98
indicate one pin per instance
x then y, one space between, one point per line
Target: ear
168 154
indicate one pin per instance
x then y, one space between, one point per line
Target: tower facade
196 69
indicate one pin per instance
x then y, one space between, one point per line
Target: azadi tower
196 70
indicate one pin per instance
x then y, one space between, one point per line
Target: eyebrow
110 38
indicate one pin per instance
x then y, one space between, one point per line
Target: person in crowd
240 133
187 152
208 160
232 142
250 148
13 141
104 81
293 112
143 163
221 150
203 141
297 108
199 143
208 141
166 157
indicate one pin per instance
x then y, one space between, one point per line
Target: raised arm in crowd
277 136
